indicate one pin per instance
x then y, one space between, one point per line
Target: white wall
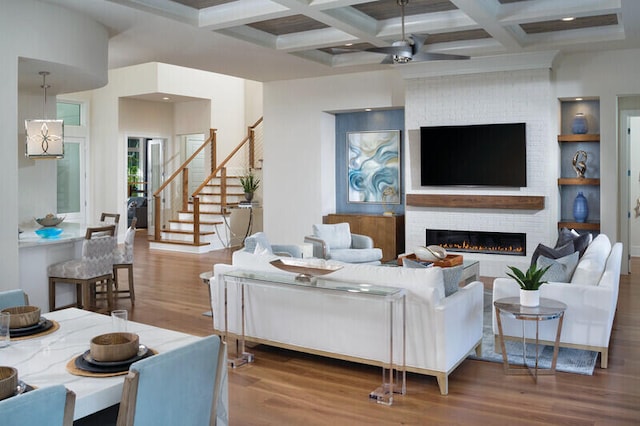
497 97
76 45
299 140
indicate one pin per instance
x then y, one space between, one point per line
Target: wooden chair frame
117 291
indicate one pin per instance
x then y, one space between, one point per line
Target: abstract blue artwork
373 165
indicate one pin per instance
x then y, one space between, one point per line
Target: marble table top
41 361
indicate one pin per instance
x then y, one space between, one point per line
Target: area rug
569 360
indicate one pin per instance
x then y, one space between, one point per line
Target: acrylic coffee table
547 310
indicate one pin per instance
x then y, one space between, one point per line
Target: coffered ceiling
281 39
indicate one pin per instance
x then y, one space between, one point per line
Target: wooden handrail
225 161
184 165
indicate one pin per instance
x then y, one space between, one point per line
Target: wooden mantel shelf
518 202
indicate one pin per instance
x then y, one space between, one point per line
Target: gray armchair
336 242
258 243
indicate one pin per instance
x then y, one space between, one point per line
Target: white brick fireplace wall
496 97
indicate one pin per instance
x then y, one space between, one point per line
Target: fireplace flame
469 247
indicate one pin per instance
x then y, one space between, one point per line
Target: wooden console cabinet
387 231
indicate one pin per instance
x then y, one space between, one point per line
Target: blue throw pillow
560 270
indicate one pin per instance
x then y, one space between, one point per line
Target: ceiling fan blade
391 50
387 60
424 56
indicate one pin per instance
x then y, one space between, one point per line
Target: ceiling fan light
399 59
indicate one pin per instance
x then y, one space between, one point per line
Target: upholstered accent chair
184 386
47 406
10 298
95 267
123 259
336 242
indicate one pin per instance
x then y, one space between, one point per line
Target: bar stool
123 259
95 266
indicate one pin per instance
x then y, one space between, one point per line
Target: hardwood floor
289 388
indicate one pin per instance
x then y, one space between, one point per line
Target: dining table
47 358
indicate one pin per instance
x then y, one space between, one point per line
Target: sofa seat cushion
356 255
592 263
337 236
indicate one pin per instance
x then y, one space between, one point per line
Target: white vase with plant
529 282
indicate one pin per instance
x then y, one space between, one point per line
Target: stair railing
222 169
183 171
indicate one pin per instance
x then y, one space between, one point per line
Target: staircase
200 223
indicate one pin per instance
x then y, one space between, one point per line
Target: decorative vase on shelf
248 196
580 208
529 298
579 124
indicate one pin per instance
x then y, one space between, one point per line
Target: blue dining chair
10 298
47 406
185 386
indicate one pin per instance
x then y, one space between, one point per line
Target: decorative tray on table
305 269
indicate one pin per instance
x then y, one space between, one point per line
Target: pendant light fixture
44 138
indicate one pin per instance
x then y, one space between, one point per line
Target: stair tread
191 222
176 231
178 242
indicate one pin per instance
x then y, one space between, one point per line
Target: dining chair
110 218
95 267
10 298
183 386
46 406
123 259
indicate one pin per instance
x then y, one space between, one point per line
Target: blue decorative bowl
49 232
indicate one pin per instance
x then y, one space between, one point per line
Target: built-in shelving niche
569 184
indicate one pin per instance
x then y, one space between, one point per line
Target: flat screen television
474 155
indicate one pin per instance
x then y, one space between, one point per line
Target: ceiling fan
409 49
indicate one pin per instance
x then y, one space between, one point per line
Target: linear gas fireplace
508 243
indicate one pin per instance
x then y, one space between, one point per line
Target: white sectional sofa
441 331
591 297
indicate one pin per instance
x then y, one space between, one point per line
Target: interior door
155 178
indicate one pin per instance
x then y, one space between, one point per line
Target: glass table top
547 309
321 283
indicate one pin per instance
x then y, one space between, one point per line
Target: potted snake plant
529 282
250 184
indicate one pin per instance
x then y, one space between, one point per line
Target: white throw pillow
593 262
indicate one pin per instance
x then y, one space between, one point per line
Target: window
69 112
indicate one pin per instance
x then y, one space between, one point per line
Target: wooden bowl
114 346
8 382
23 316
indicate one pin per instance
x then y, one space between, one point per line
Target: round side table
548 309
